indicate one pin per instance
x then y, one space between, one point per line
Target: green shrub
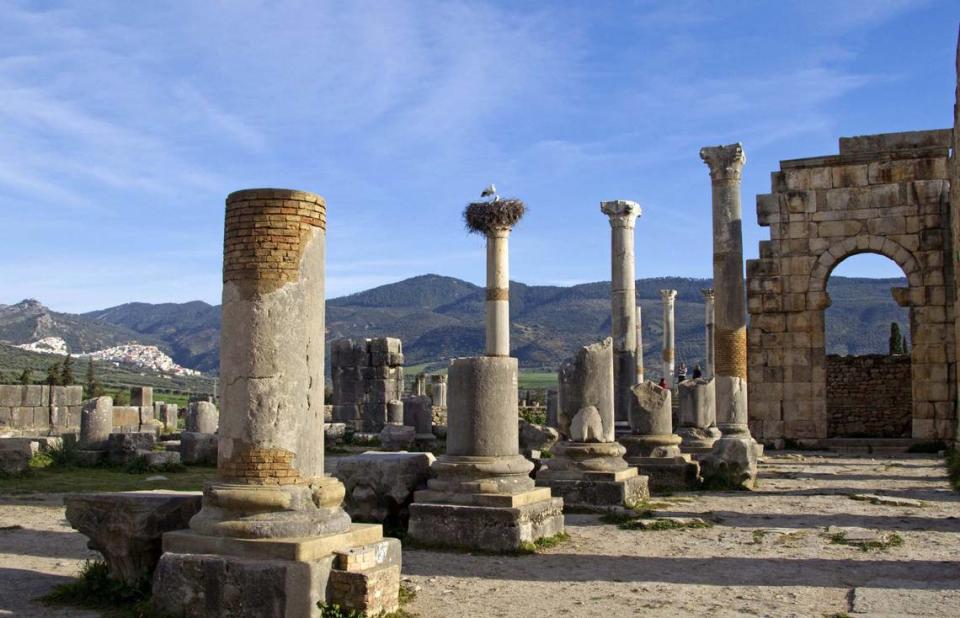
95 589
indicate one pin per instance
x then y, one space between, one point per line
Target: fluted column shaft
669 337
623 299
708 321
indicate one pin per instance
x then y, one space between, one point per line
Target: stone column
498 292
708 311
270 453
438 388
202 417
420 385
623 298
271 537
668 354
734 456
96 423
639 357
730 336
481 495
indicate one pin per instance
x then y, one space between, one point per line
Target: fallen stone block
334 433
397 437
15 455
537 437
157 459
127 527
198 448
122 448
380 486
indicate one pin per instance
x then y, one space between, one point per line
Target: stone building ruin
887 194
367 375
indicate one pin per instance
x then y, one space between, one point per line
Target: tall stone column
270 485
480 494
730 335
639 356
498 291
623 299
669 337
708 318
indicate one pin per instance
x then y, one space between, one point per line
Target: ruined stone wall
869 396
37 407
366 376
886 194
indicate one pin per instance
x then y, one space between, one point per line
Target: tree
66 371
896 339
93 386
26 377
54 374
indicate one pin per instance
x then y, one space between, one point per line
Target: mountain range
439 318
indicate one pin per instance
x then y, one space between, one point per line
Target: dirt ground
767 554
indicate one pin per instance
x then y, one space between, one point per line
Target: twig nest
484 217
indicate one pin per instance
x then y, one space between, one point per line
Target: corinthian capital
725 162
667 296
707 294
622 213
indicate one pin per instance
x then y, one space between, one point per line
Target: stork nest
483 217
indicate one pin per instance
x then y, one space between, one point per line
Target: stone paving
768 553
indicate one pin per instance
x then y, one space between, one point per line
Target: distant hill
439 318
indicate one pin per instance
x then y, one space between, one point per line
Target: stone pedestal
202 417
587 469
481 495
697 415
729 462
271 538
418 413
652 446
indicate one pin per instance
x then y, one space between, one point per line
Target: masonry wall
869 396
38 407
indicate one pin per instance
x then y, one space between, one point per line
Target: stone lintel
296 549
859 158
882 142
428 496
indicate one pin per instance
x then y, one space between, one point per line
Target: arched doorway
867 338
885 194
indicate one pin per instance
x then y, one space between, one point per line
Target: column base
485 522
200 575
248 511
697 440
659 458
732 463
598 491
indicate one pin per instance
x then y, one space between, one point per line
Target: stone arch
883 194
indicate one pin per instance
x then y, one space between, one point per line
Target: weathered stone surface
198 448
160 458
257 581
122 448
418 413
127 527
588 382
650 412
397 437
141 396
887 500
732 463
535 437
487 528
587 426
367 375
380 486
15 454
202 417
169 416
334 433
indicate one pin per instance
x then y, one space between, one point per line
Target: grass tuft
892 540
95 589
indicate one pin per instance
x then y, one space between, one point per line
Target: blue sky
123 125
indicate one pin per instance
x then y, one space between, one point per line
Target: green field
88 480
535 380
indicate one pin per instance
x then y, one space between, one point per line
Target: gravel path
769 553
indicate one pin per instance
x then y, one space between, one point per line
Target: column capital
707 294
668 295
622 213
725 162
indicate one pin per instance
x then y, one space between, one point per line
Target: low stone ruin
587 468
380 486
367 375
